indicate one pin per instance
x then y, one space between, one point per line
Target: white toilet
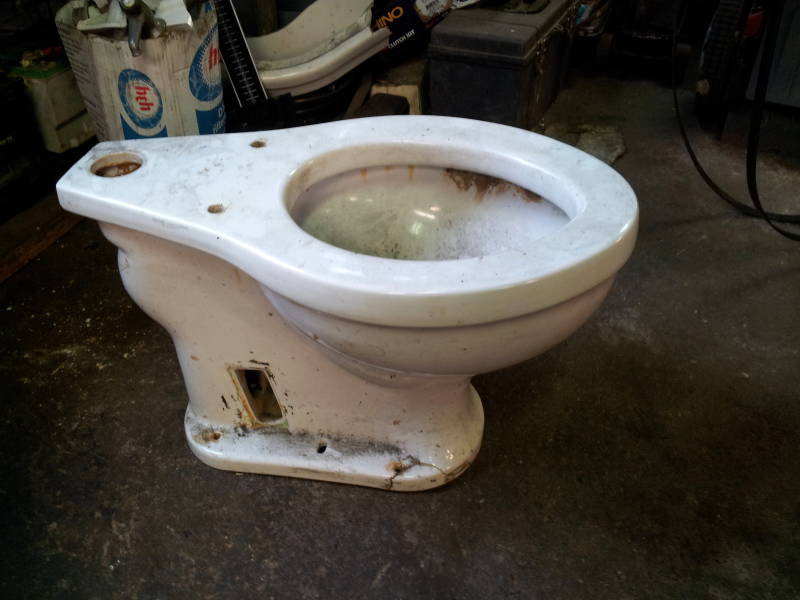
332 289
324 42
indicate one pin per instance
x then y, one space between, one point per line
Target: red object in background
52 52
753 25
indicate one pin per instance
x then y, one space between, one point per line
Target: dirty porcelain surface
423 213
332 289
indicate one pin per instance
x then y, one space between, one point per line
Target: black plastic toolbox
505 67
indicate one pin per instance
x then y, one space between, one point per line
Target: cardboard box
60 114
173 88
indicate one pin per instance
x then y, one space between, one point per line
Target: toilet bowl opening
423 212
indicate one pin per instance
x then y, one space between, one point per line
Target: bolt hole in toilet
116 164
360 274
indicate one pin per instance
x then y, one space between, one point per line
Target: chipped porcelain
332 289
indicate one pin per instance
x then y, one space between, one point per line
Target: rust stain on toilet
483 184
363 173
411 171
398 467
208 435
247 418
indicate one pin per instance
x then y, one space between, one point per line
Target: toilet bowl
323 43
332 289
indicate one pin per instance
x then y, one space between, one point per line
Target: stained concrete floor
656 454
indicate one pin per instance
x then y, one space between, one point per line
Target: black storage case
500 66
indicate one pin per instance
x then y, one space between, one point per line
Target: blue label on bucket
211 121
140 99
205 79
129 133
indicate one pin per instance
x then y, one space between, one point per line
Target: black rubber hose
773 16
755 125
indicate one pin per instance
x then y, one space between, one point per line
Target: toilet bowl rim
589 249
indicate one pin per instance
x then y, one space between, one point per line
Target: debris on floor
602 141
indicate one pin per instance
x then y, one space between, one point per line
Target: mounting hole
116 165
258 144
322 447
209 435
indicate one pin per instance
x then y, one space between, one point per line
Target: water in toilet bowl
423 213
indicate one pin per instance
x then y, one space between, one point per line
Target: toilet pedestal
265 398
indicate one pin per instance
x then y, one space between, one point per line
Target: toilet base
276 451
337 419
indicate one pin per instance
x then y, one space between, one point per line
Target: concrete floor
656 454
